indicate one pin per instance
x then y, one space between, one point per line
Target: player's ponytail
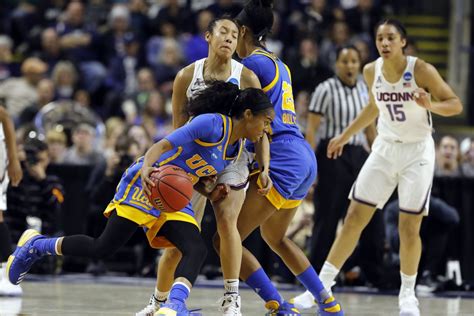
226 98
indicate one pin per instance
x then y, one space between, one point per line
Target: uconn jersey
198 83
401 119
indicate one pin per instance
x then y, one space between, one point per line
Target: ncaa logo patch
234 81
407 76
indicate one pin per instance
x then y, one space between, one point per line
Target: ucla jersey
278 89
197 83
198 159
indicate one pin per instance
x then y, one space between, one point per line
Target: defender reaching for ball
223 117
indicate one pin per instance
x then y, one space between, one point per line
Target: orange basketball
173 189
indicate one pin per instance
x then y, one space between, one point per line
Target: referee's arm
317 106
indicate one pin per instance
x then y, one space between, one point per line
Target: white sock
328 274
161 296
408 283
231 286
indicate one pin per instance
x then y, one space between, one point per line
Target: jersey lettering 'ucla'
401 119
198 159
279 90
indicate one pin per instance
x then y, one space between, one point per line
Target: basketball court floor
85 295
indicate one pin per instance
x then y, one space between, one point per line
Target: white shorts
236 175
408 165
3 176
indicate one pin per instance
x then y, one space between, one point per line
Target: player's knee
408 232
275 241
197 251
170 256
354 220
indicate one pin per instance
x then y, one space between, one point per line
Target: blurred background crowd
88 85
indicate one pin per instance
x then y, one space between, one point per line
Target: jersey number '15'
396 112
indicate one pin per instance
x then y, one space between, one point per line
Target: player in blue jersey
292 170
203 147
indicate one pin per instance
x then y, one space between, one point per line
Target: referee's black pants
335 179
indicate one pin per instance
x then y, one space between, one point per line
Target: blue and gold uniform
201 148
293 167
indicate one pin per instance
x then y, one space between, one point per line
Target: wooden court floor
93 298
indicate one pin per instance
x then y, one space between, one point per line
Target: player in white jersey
403 154
10 169
227 197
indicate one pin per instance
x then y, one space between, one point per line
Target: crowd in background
89 83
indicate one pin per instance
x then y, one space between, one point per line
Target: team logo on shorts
407 76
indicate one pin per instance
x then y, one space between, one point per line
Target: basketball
173 189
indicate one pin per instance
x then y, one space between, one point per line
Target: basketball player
202 147
222 35
292 170
403 153
9 169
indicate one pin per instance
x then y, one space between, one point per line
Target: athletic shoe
229 305
285 309
408 303
175 309
330 307
25 255
151 308
8 289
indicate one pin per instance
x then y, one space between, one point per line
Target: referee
334 105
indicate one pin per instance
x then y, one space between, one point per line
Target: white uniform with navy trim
3 171
403 154
237 173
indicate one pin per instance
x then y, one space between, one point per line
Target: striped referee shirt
339 104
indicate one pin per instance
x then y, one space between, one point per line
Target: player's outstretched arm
14 168
179 99
429 80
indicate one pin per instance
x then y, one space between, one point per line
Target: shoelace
230 306
151 308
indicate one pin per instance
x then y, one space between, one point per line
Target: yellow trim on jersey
171 158
206 144
277 71
129 186
279 201
289 71
152 223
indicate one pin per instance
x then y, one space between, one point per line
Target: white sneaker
303 301
9 289
152 307
230 305
408 304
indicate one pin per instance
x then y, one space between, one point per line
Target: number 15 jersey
401 119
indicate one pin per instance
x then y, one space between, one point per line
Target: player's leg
168 262
230 248
6 287
187 239
414 193
33 246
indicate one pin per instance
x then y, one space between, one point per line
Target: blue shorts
293 170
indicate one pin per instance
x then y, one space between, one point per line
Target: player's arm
249 79
430 81
370 133
312 125
318 105
14 168
179 99
368 115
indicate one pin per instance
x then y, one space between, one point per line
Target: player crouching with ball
223 116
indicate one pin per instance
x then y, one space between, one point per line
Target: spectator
172 12
114 128
136 102
273 42
363 46
82 151
39 195
170 61
196 46
51 52
467 149
46 93
339 36
363 18
154 118
141 136
80 43
57 145
221 7
307 70
113 40
65 80
8 68
19 93
302 109
448 158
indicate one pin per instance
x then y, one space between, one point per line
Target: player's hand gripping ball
173 189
